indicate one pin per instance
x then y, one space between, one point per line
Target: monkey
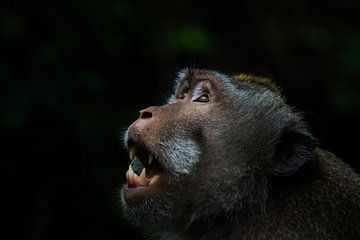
227 158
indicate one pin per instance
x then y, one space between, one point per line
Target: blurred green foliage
74 74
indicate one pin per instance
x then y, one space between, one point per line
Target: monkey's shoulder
324 180
336 170
320 201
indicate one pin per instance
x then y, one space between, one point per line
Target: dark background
74 75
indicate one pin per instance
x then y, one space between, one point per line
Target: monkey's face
165 145
195 155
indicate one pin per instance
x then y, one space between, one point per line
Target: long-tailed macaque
227 158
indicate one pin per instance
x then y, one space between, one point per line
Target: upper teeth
132 152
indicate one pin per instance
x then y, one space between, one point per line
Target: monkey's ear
293 151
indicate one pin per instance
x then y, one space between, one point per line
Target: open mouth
144 170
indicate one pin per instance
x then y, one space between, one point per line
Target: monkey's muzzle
144 169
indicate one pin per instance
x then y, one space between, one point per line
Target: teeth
127 176
142 178
130 175
151 159
134 180
155 179
143 173
132 170
132 152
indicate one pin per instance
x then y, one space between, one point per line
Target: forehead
193 76
219 80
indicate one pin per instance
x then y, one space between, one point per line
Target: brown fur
242 165
253 79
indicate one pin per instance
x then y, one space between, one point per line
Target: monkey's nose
146 118
146 113
149 112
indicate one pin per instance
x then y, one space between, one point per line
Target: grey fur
243 166
184 154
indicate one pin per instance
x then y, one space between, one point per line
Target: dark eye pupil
203 98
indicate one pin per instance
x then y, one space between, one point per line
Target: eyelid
198 91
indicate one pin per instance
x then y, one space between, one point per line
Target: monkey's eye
183 93
182 96
202 98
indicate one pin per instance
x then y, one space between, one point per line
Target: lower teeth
135 180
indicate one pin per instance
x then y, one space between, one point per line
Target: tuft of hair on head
262 81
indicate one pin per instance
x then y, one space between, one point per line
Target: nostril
145 114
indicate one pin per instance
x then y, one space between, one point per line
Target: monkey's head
211 150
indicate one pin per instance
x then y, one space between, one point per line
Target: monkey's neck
253 209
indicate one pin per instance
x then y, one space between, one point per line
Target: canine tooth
132 152
132 170
151 159
154 179
142 178
143 173
131 177
127 176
